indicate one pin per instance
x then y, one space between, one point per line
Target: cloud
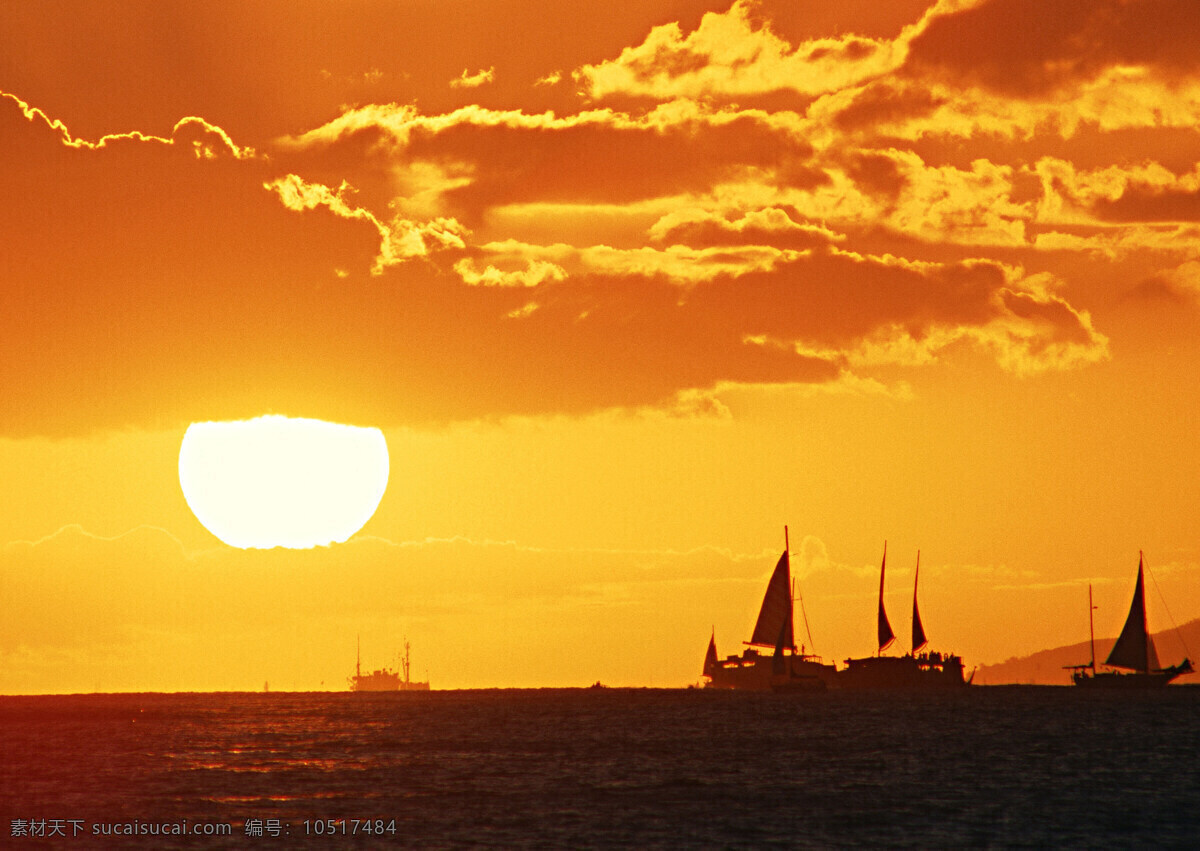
1032 49
398 122
751 275
473 81
679 264
71 530
1180 284
700 227
505 157
842 382
813 316
1117 244
922 311
811 557
534 273
1142 196
1018 67
1152 194
948 204
399 240
206 140
732 55
524 310
890 189
882 105
1164 205
725 205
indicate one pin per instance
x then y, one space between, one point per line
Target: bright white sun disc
282 482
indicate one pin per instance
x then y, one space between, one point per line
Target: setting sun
280 482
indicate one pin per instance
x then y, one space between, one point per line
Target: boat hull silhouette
754 671
926 671
799 685
1132 680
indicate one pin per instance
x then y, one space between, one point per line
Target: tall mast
1092 628
787 551
358 662
797 596
787 548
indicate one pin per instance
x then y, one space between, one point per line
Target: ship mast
358 660
1092 628
796 595
787 548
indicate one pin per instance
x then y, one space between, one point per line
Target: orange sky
627 290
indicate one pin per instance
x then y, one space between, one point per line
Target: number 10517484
349 827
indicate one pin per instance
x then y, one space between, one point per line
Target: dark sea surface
627 768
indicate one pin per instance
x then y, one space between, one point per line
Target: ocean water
627 768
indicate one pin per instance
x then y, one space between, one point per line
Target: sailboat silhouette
911 671
787 669
1134 651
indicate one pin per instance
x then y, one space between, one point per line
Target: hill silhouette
1046 666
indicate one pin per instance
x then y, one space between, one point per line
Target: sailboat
914 669
786 669
1134 653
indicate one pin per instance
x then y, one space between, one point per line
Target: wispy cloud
207 140
399 239
473 81
76 530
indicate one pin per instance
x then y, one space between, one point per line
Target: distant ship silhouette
384 679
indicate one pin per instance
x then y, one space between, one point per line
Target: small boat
786 670
914 670
1134 652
